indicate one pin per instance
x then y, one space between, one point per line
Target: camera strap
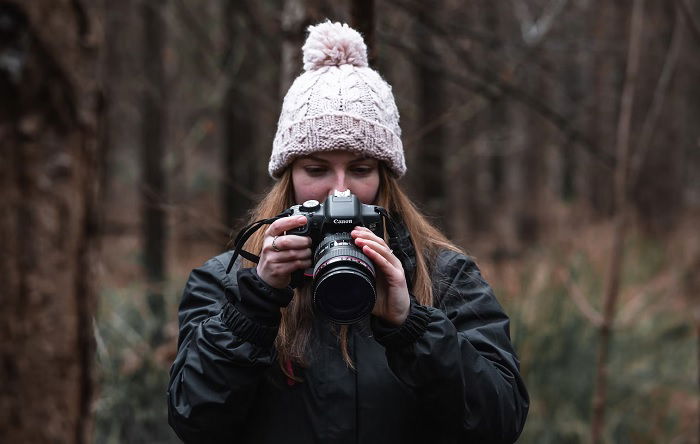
246 232
243 237
395 239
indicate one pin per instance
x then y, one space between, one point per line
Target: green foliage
134 352
652 393
652 389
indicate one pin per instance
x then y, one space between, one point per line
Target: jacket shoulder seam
221 274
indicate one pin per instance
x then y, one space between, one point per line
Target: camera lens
343 283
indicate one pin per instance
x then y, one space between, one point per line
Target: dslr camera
343 277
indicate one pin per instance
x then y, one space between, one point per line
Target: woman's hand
281 255
393 306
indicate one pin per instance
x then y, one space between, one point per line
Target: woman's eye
314 171
362 170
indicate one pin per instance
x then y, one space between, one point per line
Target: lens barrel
343 280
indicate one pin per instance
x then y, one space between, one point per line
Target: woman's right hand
281 255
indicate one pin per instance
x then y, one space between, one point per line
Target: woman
256 363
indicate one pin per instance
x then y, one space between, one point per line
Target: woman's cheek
366 190
311 189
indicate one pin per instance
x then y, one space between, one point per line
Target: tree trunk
612 285
239 114
362 17
430 185
485 167
117 89
153 191
608 68
297 15
48 175
536 169
659 202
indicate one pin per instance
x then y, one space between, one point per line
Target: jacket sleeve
459 358
225 346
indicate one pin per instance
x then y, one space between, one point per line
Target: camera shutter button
309 206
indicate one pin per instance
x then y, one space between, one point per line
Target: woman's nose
340 182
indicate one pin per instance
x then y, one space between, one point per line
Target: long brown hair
295 327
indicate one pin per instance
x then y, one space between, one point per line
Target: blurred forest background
557 141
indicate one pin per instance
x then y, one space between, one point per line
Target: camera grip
297 279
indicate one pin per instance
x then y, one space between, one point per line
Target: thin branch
533 31
692 21
581 302
263 28
456 114
497 86
644 299
494 88
198 29
612 288
654 112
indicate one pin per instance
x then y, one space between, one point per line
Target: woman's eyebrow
315 159
362 159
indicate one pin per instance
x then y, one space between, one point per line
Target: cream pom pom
333 44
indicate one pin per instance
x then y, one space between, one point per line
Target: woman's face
319 174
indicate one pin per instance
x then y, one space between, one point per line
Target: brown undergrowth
552 292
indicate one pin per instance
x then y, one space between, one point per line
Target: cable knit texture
339 102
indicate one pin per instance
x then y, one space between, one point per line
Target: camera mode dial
309 206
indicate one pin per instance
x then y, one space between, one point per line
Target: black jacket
448 374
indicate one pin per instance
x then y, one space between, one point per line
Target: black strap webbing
243 237
248 231
394 238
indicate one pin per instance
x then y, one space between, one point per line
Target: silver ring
275 247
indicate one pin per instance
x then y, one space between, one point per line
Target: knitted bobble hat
338 103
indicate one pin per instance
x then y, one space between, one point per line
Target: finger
366 233
290 267
393 273
290 255
384 251
279 226
288 242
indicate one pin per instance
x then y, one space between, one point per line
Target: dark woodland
556 141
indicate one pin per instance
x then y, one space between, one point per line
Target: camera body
343 277
341 212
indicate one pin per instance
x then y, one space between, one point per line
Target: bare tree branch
692 21
660 91
533 31
612 287
497 86
494 87
580 300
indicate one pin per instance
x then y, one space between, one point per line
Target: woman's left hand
393 301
